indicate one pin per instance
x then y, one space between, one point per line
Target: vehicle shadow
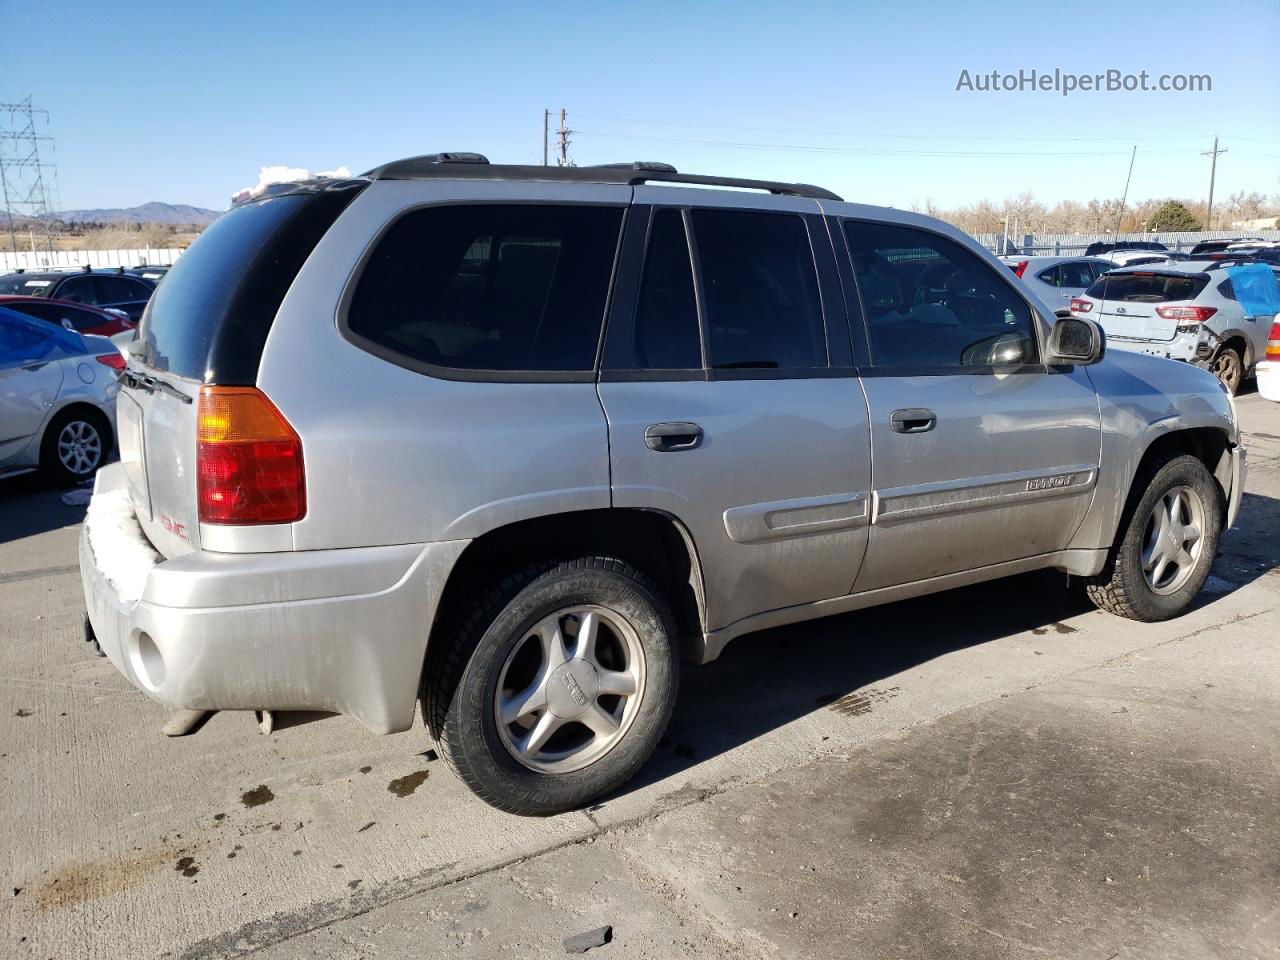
768 679
30 505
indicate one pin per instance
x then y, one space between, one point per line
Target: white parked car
1269 369
57 398
1056 280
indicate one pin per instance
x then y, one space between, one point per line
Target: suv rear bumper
333 630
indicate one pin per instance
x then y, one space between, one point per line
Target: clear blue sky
183 102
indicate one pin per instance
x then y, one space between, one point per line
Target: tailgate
157 428
1135 321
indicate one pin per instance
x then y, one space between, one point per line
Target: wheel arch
656 543
1241 343
90 411
1211 445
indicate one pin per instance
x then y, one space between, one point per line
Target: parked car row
111 290
1214 307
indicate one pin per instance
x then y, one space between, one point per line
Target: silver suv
515 441
1216 314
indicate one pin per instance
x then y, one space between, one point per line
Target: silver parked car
518 440
57 398
1214 313
1057 279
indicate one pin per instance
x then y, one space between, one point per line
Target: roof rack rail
474 166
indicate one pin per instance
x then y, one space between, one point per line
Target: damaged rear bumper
332 630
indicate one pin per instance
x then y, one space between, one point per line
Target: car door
982 455
731 398
30 378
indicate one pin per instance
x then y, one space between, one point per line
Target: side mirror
1076 342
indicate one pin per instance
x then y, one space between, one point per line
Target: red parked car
79 317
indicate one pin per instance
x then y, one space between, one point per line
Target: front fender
1141 399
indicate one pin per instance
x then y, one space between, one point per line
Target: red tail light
113 360
1273 342
1187 314
1022 265
248 460
1081 306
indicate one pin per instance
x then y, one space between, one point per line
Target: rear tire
518 694
1228 368
76 443
1165 545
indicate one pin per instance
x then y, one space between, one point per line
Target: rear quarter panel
396 456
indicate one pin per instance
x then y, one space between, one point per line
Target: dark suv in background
110 291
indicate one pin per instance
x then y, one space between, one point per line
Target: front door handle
669 437
914 420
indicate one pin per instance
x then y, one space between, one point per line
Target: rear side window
504 287
763 309
1148 287
1077 273
666 331
121 290
210 318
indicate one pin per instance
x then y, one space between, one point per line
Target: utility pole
1213 169
1125 196
546 125
563 136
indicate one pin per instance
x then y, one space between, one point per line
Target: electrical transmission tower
27 180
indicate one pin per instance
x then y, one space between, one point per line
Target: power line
900 136
866 151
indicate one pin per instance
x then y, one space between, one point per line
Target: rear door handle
669 437
913 420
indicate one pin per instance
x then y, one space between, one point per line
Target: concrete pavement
997 771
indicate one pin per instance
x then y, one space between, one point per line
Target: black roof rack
475 166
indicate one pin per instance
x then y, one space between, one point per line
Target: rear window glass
1147 287
210 318
490 286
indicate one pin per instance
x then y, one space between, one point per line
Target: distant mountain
153 212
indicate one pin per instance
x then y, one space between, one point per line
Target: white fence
76 259
1072 243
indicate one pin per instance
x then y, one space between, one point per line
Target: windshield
18 285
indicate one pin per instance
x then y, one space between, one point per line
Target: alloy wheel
1174 539
80 447
570 689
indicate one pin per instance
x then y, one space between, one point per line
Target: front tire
1165 545
558 686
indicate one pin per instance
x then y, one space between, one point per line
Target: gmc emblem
177 529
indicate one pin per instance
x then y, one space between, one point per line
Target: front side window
931 303
490 286
763 309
